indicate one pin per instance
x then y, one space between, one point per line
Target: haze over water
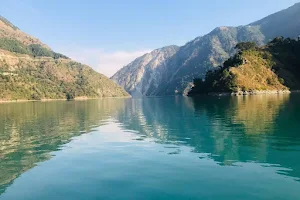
152 148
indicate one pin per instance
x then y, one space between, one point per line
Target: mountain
285 23
271 68
144 74
196 57
203 53
30 70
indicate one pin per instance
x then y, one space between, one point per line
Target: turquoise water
152 148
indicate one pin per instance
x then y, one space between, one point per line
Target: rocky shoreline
258 92
254 92
45 100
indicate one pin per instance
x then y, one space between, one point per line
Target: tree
245 46
277 40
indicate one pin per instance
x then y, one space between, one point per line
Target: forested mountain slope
274 67
30 70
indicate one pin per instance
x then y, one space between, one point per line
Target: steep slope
10 31
195 58
144 74
285 23
30 70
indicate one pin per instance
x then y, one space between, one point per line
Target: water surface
152 148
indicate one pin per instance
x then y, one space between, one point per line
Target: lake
244 147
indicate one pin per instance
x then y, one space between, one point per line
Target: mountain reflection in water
228 130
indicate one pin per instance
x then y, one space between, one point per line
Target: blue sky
109 34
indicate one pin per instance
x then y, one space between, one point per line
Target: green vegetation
53 79
38 50
246 46
272 67
13 46
286 55
35 50
220 80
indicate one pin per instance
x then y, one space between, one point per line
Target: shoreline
249 93
258 92
240 93
46 100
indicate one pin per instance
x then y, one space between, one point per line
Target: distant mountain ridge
284 23
30 70
196 57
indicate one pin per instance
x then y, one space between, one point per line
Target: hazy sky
109 34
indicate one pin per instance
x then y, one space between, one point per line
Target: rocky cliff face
203 53
144 74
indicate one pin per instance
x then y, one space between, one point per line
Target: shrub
246 46
281 80
13 46
36 50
